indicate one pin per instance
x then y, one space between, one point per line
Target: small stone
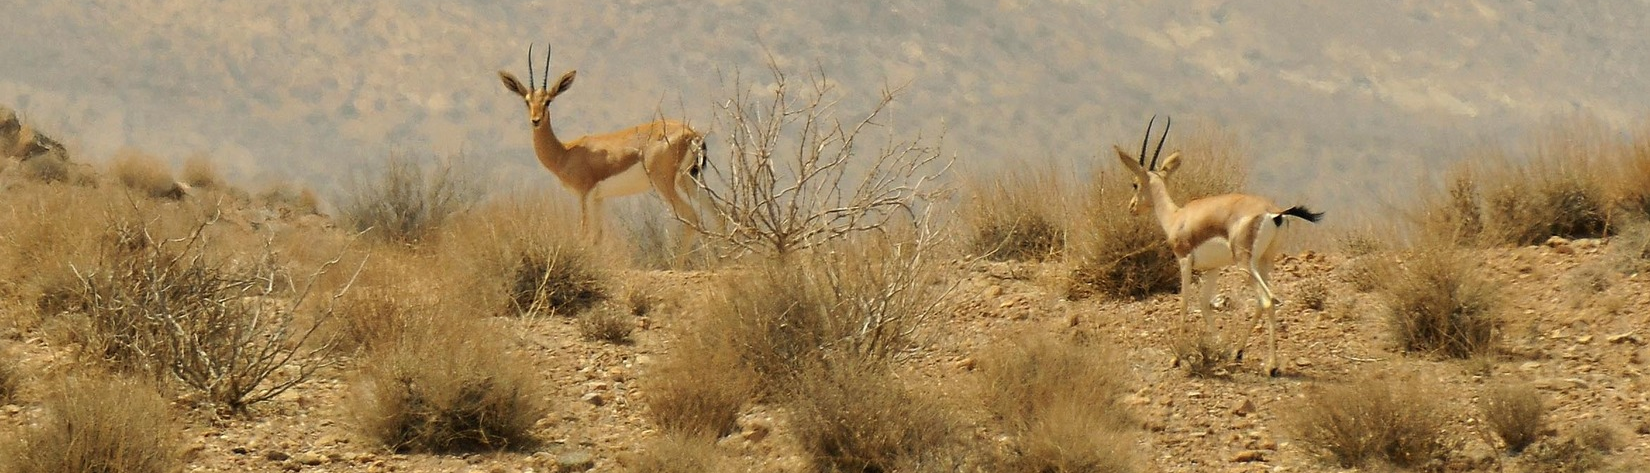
1244 408
1303 362
966 364
276 456
12 408
594 399
1248 456
1620 338
575 461
239 450
757 430
1584 339
309 458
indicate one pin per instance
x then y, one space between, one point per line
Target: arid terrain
586 368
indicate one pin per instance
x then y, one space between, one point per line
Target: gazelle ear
1129 161
1170 163
510 82
563 84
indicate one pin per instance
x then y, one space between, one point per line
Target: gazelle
1214 232
665 155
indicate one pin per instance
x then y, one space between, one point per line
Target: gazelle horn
1168 122
530 65
546 84
1147 140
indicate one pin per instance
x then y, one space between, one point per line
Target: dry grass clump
1584 449
1374 420
1017 217
699 388
11 376
851 414
1313 294
452 385
290 198
521 255
1061 401
1629 250
1439 303
677 454
1515 414
145 174
408 200
200 172
1124 255
1202 354
97 424
606 324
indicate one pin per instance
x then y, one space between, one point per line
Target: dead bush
1313 294
290 198
1563 185
1374 420
607 325
409 199
1123 255
1061 401
200 172
1439 303
678 454
145 174
97 424
518 256
228 328
1565 455
450 386
558 280
856 417
1599 435
1515 414
1202 354
701 385
1017 217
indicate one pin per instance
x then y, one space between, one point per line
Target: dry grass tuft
200 172
291 198
1599 435
1124 255
450 386
1440 303
97 424
1017 217
855 416
607 325
1516 415
701 385
11 375
678 454
1629 251
1202 354
408 200
519 255
145 174
1061 401
1313 294
1374 420
558 280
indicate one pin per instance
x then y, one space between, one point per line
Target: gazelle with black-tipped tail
1214 232
664 155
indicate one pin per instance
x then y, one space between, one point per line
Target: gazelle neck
1163 206
547 147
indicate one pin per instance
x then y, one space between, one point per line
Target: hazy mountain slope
1330 96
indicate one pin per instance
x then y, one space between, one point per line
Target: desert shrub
1017 217
1202 354
226 328
409 199
1599 435
516 255
701 384
1515 414
1123 255
556 280
290 198
857 417
1629 251
1439 303
451 385
607 324
100 425
1313 294
200 172
1061 400
145 174
1583 450
1374 419
1562 185
678 454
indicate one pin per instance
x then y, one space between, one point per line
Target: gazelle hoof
1237 355
1272 371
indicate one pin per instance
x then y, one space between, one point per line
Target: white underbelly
1213 253
631 181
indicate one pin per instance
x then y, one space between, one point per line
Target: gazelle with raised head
1214 232
664 155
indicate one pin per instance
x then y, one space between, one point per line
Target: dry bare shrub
1591 279
1632 186
1599 435
1061 400
97 424
229 328
1568 454
409 199
1017 217
699 389
516 255
1124 255
851 414
290 198
1374 420
145 174
1515 414
1629 250
451 385
799 174
606 324
674 453
1438 302
1563 185
1313 294
1202 354
200 172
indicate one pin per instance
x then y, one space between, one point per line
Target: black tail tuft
1298 212
699 163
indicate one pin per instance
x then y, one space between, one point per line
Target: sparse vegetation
11 375
606 324
1016 217
852 415
1202 354
678 454
1515 414
518 256
1061 400
97 424
451 386
200 172
700 387
1374 419
145 174
1439 303
1123 255
1313 294
409 199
